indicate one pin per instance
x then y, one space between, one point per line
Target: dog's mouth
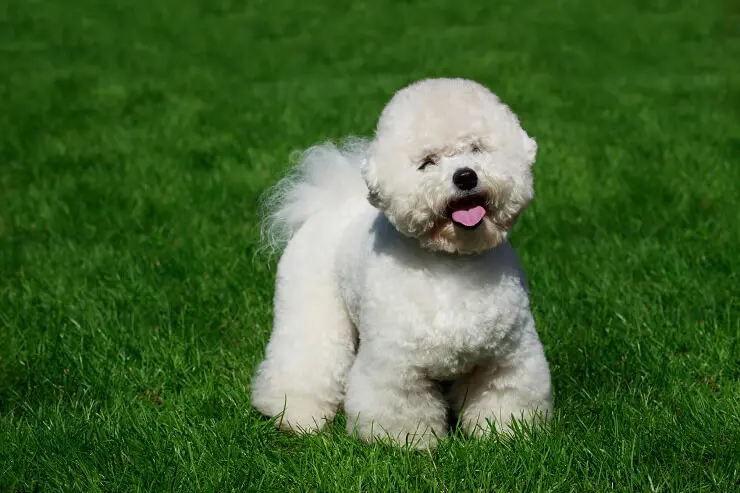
467 212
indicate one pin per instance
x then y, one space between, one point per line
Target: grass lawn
136 138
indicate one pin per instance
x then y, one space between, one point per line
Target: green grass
136 138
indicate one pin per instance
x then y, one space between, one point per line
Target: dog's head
450 165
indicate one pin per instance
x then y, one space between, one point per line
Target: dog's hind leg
312 346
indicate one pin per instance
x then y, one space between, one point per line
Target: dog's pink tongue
469 217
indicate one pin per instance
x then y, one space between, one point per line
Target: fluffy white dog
397 275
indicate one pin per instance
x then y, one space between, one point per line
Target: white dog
397 275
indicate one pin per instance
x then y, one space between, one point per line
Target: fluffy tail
324 176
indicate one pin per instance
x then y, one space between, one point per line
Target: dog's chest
453 325
442 315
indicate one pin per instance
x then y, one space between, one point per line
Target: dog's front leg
515 386
386 401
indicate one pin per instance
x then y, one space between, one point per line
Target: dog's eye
475 148
428 160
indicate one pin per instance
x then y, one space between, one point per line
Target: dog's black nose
465 179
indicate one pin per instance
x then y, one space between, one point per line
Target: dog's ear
530 147
369 174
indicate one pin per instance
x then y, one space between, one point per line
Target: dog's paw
480 423
299 415
421 437
301 423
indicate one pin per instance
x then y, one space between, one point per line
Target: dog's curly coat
397 275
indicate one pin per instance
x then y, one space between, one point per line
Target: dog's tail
323 177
